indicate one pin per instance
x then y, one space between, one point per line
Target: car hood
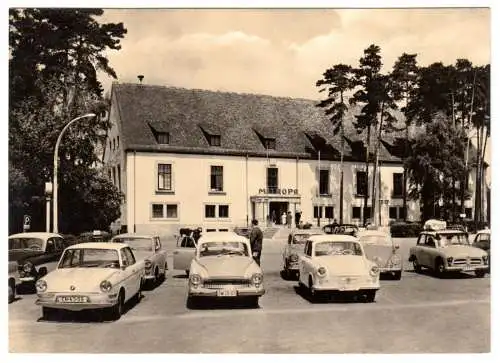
86 279
225 266
380 254
23 254
459 251
295 248
143 255
344 265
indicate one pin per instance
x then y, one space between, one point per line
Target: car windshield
452 239
300 239
25 243
90 257
136 243
223 248
373 239
338 248
483 237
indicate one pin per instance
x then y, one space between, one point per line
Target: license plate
226 292
468 268
72 299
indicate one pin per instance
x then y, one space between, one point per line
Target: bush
405 229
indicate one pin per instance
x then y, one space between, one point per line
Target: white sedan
92 275
338 264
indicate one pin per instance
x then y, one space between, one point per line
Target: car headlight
195 280
294 258
485 259
41 285
374 270
105 286
321 271
27 267
148 264
257 278
450 261
395 260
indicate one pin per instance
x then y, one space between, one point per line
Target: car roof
445 231
374 232
332 238
137 235
99 245
222 237
35 235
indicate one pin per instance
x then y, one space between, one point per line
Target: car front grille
220 283
467 261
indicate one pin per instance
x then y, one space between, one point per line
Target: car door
305 263
161 254
184 253
429 251
131 272
418 250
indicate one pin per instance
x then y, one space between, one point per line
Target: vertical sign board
26 222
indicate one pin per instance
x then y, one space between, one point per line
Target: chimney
141 77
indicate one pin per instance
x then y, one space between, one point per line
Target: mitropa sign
282 191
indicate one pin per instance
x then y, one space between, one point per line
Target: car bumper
293 267
27 279
470 268
390 269
339 286
96 301
223 293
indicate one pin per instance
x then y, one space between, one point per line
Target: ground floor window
318 211
216 211
329 211
468 212
164 210
356 212
393 212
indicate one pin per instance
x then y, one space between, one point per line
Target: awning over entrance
264 198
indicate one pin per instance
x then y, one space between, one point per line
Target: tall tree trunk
375 168
342 141
483 184
405 173
367 167
478 189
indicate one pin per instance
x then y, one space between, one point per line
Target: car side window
125 261
430 242
157 244
422 239
308 250
130 256
59 244
50 247
188 242
289 238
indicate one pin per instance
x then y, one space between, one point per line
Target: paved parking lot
420 313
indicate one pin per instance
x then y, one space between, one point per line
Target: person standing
256 238
283 218
297 219
289 219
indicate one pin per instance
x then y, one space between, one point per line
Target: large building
218 159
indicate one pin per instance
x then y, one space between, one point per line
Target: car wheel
439 268
370 296
157 277
165 271
117 310
397 275
480 273
416 266
312 293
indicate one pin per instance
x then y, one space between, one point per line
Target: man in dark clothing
256 241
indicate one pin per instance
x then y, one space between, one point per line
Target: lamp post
56 159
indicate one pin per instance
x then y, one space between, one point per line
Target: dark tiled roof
299 127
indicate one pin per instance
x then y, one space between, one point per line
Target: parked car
184 252
35 254
338 264
150 250
13 276
94 236
445 250
293 249
381 249
347 229
223 267
482 241
92 275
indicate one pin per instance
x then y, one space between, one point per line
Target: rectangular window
171 210
397 185
157 211
361 183
356 212
468 212
114 176
324 182
164 176
118 142
329 212
402 213
368 213
393 212
214 140
272 180
223 211
270 144
119 172
216 178
209 211
318 211
163 138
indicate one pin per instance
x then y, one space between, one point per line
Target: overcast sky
284 52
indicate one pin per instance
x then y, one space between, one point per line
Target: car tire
165 272
312 293
397 275
480 273
416 266
370 296
156 280
116 311
439 268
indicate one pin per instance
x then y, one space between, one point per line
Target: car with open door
184 252
293 249
381 249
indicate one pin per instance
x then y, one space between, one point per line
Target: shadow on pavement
206 303
339 298
151 285
289 277
25 289
446 276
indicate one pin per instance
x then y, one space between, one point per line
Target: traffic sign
26 222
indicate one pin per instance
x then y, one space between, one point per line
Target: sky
284 52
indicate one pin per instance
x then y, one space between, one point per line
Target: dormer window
270 143
163 138
214 140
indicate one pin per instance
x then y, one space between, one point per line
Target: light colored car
184 253
338 264
12 283
92 275
445 250
149 249
293 249
381 249
223 267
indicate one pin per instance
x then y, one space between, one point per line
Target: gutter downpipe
246 184
135 206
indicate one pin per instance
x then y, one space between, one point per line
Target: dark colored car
347 229
95 236
482 241
34 253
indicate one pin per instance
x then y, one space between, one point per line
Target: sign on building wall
282 191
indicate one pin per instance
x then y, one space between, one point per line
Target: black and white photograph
257 180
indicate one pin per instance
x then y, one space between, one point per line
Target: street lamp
56 159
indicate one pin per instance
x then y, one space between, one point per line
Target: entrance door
276 210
